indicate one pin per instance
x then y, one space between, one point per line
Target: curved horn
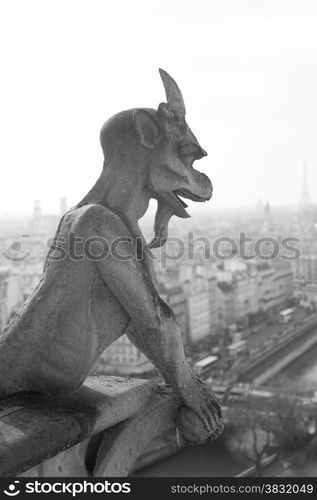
173 94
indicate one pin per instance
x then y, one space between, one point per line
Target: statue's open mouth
183 193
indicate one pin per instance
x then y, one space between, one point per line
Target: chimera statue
83 302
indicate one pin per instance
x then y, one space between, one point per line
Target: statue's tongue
163 214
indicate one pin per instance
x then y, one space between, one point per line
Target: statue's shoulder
95 218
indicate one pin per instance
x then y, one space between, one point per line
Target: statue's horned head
170 150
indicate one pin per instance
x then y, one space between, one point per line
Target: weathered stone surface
68 463
122 445
34 428
90 296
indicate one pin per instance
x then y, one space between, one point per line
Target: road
266 332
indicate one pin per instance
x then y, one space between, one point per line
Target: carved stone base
100 430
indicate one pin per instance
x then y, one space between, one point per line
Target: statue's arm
153 326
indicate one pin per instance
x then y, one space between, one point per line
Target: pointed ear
146 128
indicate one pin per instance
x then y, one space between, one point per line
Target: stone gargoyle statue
83 302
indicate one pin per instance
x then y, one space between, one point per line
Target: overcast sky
247 70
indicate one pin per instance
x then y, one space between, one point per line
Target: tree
290 422
254 439
263 427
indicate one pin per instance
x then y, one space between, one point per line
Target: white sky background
247 70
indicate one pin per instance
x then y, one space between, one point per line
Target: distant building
35 222
198 308
264 291
283 282
259 207
173 294
310 292
268 221
245 293
208 271
16 284
4 313
305 268
122 358
260 286
213 312
15 296
306 209
237 285
186 271
275 282
225 304
63 205
43 225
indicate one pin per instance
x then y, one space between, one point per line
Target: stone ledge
47 436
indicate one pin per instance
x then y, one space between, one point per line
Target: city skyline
304 196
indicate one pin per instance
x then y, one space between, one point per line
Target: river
214 459
206 460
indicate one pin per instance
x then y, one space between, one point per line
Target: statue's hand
200 419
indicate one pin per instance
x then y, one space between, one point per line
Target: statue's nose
201 153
